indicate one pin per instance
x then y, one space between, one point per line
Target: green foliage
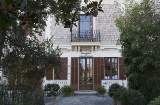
34 13
32 98
118 93
25 59
20 97
140 40
132 97
113 88
128 96
33 59
67 90
52 89
101 90
156 101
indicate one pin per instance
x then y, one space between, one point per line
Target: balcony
86 36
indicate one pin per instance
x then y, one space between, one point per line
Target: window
111 68
56 74
85 23
60 73
85 26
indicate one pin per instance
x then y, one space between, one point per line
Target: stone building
91 55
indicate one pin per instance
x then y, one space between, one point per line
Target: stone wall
59 34
103 22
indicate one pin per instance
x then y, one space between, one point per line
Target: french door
85 73
85 27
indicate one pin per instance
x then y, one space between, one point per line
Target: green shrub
119 92
112 89
156 101
101 90
51 89
131 97
67 90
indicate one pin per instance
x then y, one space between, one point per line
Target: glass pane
88 18
116 68
107 68
111 68
88 26
85 71
85 26
82 71
89 71
82 18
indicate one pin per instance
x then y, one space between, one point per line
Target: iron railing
86 36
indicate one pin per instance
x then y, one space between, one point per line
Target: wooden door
85 73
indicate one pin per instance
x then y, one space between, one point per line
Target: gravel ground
84 100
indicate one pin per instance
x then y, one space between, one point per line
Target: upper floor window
85 26
85 23
111 68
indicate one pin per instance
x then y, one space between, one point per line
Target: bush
51 89
129 97
101 90
67 90
119 92
156 101
112 89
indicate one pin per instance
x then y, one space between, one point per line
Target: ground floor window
111 68
60 72
57 74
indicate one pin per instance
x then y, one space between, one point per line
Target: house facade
91 55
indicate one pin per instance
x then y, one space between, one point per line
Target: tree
20 19
140 40
25 64
31 15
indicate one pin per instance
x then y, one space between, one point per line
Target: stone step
85 92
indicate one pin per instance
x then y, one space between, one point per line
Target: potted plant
101 90
112 90
67 90
52 90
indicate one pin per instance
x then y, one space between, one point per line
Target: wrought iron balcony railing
86 36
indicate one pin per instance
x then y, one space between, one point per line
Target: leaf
86 1
23 3
12 16
100 2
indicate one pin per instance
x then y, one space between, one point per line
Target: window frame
90 25
61 70
114 65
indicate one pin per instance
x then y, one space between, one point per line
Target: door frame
92 72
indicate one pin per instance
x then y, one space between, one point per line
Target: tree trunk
53 100
117 102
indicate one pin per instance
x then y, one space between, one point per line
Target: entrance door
85 74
